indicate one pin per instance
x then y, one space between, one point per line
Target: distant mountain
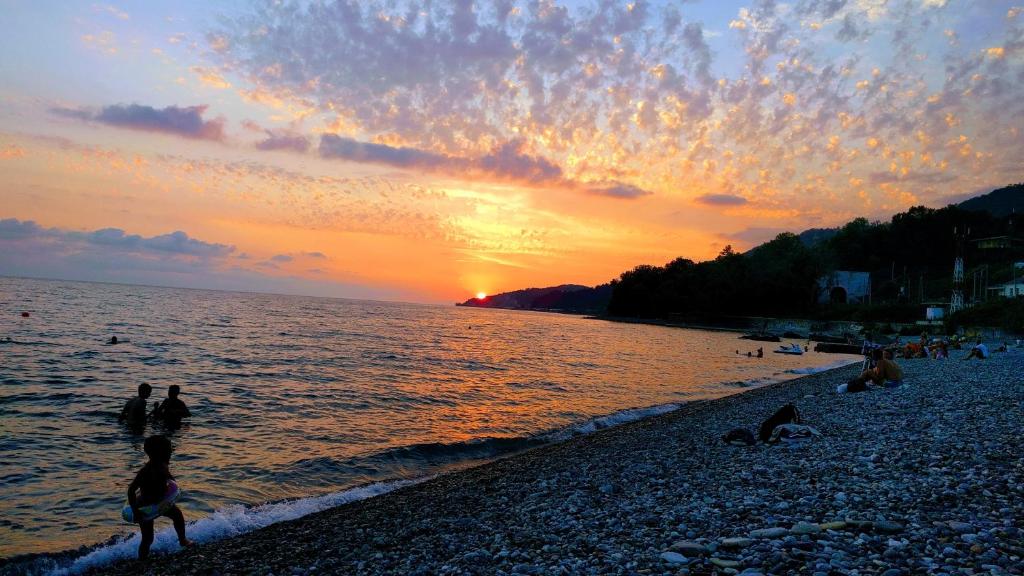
564 298
813 236
999 203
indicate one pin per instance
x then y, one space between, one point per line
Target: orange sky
488 150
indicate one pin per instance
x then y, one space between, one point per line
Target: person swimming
134 411
113 340
171 410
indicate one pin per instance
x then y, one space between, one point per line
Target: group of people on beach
148 493
938 348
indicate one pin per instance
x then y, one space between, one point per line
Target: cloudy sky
430 150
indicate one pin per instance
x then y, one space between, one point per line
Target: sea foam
225 523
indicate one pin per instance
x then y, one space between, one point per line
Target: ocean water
304 403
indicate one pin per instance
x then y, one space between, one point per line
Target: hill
1000 203
564 298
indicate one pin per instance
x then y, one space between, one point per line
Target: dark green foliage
910 259
1007 314
776 278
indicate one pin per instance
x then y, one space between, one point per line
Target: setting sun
481 295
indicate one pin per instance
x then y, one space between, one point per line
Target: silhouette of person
113 339
149 489
760 352
171 410
134 411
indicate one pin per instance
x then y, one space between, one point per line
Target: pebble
801 528
673 558
769 533
688 547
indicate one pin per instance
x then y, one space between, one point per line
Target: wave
236 520
224 523
824 367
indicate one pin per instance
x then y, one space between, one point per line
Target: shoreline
920 479
236 520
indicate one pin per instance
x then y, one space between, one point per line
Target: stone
837 525
674 558
688 547
961 527
723 563
769 533
888 527
736 543
804 528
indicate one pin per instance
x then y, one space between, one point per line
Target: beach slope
922 479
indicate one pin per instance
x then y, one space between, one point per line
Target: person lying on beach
172 410
134 411
150 488
886 371
979 351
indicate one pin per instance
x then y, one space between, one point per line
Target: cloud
175 259
282 258
277 140
187 122
595 91
175 244
721 200
506 162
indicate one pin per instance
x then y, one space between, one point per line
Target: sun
481 295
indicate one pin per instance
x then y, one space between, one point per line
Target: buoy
24 314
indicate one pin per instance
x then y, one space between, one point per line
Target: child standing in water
149 489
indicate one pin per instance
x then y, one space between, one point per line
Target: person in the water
134 411
149 488
172 410
113 340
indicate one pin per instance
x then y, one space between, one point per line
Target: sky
429 151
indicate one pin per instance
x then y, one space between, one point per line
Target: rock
961 527
804 528
689 547
674 558
837 525
736 543
888 527
769 533
723 563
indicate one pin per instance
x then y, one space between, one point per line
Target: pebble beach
923 479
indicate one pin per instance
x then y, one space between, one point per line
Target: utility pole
956 300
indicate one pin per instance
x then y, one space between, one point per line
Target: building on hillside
998 242
1008 290
845 287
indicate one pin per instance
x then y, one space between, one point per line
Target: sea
302 403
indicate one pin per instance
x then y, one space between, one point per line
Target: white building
1008 290
845 287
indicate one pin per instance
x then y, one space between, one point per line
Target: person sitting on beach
172 410
1002 348
150 487
886 372
979 351
134 411
760 352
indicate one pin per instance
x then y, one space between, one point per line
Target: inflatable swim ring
151 511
